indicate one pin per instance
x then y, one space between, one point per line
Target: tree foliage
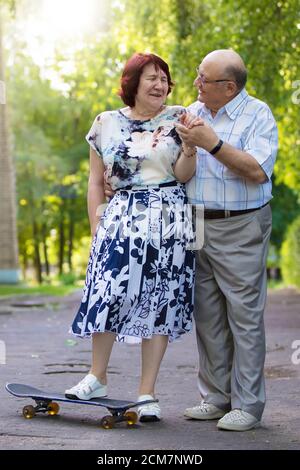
291 254
49 124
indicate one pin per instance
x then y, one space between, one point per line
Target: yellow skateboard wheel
28 411
53 408
131 418
108 422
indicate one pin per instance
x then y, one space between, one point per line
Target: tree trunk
24 258
71 238
9 266
45 249
37 258
61 244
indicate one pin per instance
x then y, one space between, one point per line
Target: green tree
8 234
49 124
291 254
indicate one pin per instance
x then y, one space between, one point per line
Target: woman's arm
95 195
185 165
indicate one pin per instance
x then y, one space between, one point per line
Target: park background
60 63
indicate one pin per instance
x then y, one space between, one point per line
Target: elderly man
236 150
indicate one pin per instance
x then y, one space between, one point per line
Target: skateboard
46 403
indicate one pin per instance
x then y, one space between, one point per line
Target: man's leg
213 336
240 270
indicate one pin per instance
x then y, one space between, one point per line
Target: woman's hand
189 120
189 150
108 191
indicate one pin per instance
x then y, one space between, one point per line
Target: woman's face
153 88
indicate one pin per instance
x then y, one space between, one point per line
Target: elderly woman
140 276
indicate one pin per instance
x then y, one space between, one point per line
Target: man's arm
241 163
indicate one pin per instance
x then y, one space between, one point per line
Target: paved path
41 353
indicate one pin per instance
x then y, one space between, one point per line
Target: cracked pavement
40 352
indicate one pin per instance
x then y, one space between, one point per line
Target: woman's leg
102 347
153 351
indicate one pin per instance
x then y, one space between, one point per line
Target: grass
276 284
61 290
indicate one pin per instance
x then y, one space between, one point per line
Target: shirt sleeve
262 140
93 137
194 108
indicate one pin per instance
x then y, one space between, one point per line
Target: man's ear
231 89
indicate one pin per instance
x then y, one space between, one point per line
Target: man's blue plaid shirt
247 124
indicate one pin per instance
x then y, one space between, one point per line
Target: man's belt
224 214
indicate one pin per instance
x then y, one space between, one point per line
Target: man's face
211 84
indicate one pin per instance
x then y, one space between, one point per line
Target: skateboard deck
46 403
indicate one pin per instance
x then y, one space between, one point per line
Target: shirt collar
232 108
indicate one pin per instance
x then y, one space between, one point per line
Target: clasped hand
195 132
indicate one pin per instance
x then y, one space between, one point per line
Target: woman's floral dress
140 275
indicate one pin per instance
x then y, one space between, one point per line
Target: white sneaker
87 388
204 411
150 411
238 420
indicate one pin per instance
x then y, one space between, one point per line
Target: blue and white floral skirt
140 275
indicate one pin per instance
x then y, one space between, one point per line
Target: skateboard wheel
53 409
107 422
131 418
28 412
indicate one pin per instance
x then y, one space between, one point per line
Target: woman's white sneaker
150 411
87 388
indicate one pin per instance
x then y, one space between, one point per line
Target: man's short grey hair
238 74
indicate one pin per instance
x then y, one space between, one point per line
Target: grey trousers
230 297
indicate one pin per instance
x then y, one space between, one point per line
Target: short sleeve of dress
178 114
93 137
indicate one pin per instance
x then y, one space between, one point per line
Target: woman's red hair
132 72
